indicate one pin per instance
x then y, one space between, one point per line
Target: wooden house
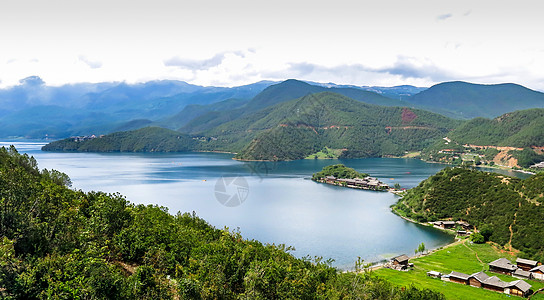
522 274
518 288
458 277
400 260
526 264
477 279
447 224
503 266
538 272
493 283
434 274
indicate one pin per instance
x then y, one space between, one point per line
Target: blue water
280 204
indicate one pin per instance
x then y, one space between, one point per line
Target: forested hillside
510 209
298 128
515 139
149 139
59 243
465 100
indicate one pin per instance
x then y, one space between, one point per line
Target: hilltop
515 139
509 209
465 100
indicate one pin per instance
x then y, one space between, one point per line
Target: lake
270 202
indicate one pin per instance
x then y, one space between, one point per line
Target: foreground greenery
59 243
509 209
338 171
463 257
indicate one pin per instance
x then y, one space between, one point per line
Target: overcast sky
228 43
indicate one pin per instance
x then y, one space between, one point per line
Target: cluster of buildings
367 183
465 227
539 165
84 138
524 268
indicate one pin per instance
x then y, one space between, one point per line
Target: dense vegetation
149 139
509 209
59 243
466 100
519 129
298 128
338 171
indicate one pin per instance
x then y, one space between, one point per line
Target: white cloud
93 64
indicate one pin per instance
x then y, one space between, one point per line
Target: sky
231 43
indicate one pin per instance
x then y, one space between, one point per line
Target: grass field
462 257
325 153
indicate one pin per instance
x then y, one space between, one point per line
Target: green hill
509 209
298 128
513 131
149 139
467 100
59 243
279 93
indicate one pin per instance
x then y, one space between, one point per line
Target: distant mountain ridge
463 100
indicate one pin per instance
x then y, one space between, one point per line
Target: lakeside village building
523 269
367 183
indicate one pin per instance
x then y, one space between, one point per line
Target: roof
480 276
521 285
401 258
522 273
539 268
526 261
448 222
434 273
503 263
495 281
459 275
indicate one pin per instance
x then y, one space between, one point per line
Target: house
503 266
400 260
458 277
518 288
447 224
526 264
522 274
462 232
434 274
477 279
538 272
465 225
493 283
330 179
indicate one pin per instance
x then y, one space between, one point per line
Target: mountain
514 139
399 92
509 209
298 128
149 139
464 100
85 109
278 93
523 128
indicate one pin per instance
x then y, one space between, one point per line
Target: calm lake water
281 204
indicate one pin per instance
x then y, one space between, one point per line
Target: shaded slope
467 100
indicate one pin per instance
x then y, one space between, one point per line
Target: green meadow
462 257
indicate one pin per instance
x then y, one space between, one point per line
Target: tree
397 186
477 238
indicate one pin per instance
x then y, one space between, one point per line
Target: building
493 283
458 277
538 272
526 264
518 288
477 279
434 274
503 266
522 274
445 224
400 260
465 225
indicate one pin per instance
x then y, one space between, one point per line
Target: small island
343 176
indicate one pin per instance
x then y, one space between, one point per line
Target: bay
279 202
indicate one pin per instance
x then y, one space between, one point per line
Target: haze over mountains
35 110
